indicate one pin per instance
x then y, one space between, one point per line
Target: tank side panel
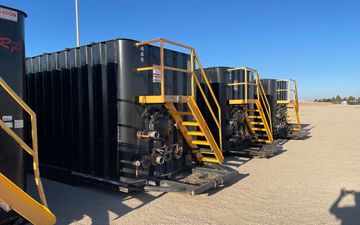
12 70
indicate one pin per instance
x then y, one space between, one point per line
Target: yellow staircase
287 95
256 106
11 195
191 123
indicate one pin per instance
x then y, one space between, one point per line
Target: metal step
190 123
198 142
195 133
208 159
207 152
259 129
263 140
257 123
255 117
186 113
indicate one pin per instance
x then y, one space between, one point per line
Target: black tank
90 123
232 116
12 70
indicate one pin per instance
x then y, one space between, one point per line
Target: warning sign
236 86
156 75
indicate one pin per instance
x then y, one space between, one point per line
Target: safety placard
18 123
156 75
236 86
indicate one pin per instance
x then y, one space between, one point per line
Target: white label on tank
8 14
9 124
7 118
236 86
156 75
18 123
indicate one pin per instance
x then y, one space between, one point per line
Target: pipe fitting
159 160
148 135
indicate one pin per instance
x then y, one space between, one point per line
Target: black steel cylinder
12 70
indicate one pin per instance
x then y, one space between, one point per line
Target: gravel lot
315 181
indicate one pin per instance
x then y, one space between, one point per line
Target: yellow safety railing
290 92
288 95
31 151
260 92
194 62
263 100
296 100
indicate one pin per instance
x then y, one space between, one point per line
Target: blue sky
316 42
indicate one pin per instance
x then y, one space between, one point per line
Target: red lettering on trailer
8 13
5 42
10 45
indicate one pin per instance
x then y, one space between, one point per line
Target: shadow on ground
95 204
237 178
349 215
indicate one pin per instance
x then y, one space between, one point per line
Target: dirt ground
314 181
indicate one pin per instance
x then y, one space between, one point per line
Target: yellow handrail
264 100
32 151
261 95
194 60
292 97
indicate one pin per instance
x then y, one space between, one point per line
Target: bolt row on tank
130 115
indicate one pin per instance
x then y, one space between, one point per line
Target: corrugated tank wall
86 101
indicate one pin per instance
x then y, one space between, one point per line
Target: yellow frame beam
34 151
242 101
24 204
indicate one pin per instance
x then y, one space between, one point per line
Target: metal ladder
256 107
191 123
11 195
287 95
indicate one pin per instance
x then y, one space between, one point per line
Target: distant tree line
338 99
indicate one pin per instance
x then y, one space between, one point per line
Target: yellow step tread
263 140
259 129
208 159
255 117
198 142
195 133
190 123
185 113
257 123
207 152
